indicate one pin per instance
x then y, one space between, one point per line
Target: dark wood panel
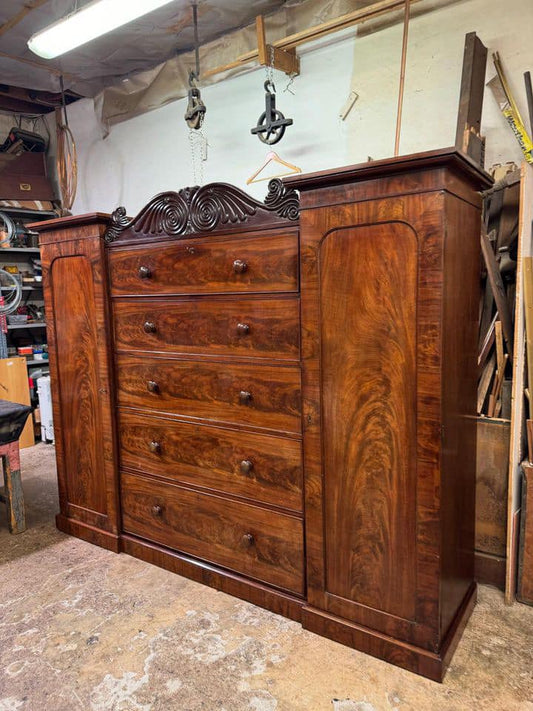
78 331
427 214
459 403
214 391
525 561
368 335
260 467
491 485
266 546
249 263
267 328
76 351
27 187
490 570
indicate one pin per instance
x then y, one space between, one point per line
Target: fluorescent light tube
93 20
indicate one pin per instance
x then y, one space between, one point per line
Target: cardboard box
14 386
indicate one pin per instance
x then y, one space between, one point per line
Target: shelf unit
32 324
28 333
27 250
33 333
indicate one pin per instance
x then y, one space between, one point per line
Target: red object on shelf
3 320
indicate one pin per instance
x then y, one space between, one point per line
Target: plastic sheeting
124 70
135 47
169 81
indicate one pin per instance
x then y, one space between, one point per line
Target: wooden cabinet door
77 324
368 365
371 290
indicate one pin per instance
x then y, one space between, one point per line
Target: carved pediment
204 209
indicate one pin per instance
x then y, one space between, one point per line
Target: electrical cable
67 161
9 229
12 301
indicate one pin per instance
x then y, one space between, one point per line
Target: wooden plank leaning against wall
520 477
516 455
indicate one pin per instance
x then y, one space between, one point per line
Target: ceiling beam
19 106
26 9
312 33
39 65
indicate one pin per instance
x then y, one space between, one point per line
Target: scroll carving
203 209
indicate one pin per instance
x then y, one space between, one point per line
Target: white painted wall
151 153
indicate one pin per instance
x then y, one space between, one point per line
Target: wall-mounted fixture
91 21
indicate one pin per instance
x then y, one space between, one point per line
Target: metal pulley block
194 116
272 123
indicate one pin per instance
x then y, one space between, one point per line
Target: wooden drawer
268 328
207 265
259 467
213 391
248 539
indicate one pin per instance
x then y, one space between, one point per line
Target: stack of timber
499 237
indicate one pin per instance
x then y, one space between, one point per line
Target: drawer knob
157 510
239 267
155 447
245 397
243 329
246 466
152 386
149 327
145 272
248 540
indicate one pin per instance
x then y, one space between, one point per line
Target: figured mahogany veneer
263 328
248 539
283 410
259 395
254 466
230 264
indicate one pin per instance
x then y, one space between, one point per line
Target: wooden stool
12 420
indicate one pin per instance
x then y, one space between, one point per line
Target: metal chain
270 67
194 157
198 143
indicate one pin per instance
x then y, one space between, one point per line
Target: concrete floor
82 629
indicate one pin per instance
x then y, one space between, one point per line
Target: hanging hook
194 115
193 79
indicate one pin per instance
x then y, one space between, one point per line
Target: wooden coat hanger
273 158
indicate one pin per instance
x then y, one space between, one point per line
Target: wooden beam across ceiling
312 33
19 100
283 59
26 9
38 65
